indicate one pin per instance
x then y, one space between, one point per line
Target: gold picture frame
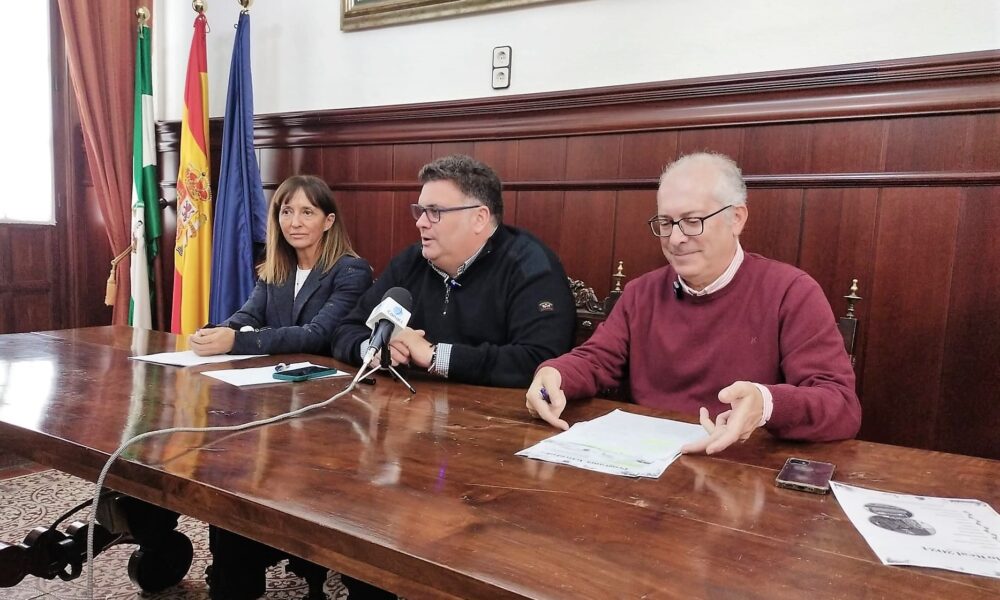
366 14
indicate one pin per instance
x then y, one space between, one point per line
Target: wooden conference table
423 495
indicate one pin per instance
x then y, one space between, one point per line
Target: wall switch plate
501 56
501 78
501 67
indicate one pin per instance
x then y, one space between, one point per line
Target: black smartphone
805 475
304 373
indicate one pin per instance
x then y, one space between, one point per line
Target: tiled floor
31 495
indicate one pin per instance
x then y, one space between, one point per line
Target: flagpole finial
199 6
142 15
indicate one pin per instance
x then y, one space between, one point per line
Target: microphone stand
386 363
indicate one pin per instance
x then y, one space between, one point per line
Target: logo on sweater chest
546 306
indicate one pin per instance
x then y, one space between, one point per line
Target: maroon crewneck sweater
771 325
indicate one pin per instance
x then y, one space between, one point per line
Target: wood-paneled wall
28 290
885 172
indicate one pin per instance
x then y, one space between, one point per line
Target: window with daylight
26 147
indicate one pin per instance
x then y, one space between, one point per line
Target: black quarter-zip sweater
509 311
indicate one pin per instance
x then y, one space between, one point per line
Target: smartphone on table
804 475
304 373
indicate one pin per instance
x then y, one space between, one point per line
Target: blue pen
545 395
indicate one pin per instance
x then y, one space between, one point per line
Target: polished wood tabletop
422 494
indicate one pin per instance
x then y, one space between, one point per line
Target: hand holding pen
545 399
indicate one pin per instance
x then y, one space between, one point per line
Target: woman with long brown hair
309 280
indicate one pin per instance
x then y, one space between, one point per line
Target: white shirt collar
300 278
722 281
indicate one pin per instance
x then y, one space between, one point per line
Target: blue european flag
240 211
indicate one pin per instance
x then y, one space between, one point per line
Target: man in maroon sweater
745 341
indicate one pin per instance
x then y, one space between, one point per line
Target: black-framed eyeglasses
434 212
663 226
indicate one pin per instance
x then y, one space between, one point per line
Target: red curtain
100 50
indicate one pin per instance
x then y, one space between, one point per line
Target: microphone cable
361 374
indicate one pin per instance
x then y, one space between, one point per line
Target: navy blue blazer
289 323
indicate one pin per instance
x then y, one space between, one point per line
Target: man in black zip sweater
490 302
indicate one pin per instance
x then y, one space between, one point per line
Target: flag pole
240 209
157 301
146 220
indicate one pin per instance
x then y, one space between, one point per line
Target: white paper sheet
922 531
262 375
187 358
619 443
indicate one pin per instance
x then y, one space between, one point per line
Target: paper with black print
957 534
619 443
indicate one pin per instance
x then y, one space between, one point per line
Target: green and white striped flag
146 226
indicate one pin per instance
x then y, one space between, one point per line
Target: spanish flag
193 248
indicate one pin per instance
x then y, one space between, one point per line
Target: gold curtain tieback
111 290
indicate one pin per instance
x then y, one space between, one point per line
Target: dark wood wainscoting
28 295
885 172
